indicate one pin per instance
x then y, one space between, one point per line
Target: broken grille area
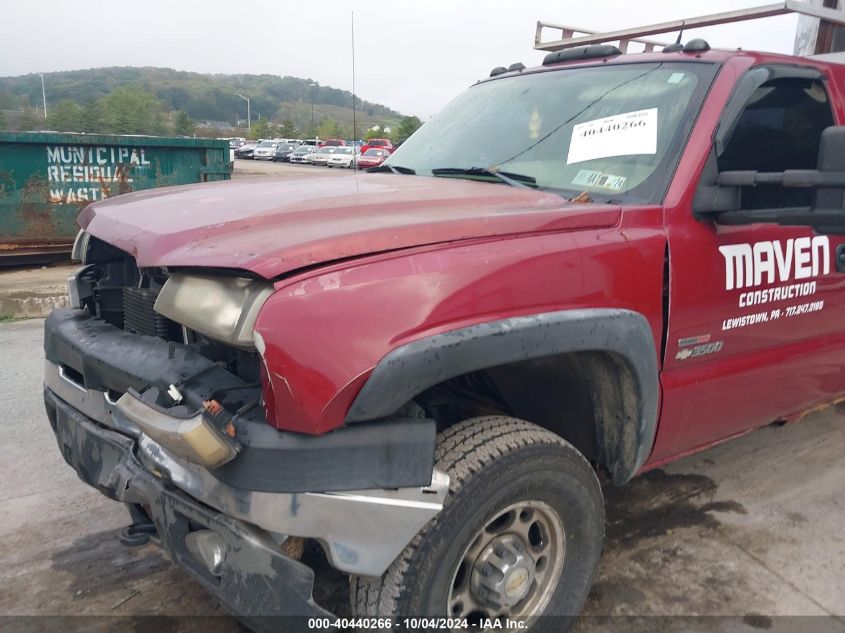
139 316
117 291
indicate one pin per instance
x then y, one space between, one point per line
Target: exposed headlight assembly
221 308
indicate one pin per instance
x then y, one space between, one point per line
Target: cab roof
610 54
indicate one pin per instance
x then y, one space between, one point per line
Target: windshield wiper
394 169
507 177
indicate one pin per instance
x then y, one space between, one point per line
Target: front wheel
520 533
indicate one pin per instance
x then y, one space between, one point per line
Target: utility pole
248 115
312 85
354 120
43 96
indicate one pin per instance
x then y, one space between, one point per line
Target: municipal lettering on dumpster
90 173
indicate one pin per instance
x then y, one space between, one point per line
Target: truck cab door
756 311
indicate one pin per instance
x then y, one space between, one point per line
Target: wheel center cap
517 583
503 573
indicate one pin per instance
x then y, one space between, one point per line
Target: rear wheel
520 533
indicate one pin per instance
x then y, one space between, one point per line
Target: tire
496 463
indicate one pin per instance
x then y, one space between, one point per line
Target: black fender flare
410 369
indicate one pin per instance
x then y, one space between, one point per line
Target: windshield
375 152
376 142
343 150
615 131
267 144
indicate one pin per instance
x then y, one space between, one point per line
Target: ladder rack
570 38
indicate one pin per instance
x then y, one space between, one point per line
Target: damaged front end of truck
167 415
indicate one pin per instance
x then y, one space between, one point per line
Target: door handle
840 258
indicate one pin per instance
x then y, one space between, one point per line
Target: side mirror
831 166
719 195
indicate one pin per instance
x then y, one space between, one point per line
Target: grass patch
8 318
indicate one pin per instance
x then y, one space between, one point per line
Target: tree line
126 110
331 128
202 97
134 110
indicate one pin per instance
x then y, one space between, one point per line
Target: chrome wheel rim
511 566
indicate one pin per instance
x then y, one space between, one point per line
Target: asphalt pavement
245 167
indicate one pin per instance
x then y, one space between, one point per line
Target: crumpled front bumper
254 579
361 531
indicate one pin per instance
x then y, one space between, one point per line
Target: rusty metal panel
46 179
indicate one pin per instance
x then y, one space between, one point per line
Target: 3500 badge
699 350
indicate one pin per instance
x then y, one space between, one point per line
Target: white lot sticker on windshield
619 135
590 178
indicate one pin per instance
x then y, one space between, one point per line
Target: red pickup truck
378 143
609 262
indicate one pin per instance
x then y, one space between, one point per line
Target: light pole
248 115
43 95
353 78
312 85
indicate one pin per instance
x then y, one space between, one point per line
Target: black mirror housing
719 193
831 159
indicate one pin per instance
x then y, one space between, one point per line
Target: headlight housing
221 308
80 247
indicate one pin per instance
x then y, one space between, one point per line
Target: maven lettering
769 262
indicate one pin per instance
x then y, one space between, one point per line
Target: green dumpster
47 178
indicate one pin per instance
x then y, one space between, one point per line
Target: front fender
328 334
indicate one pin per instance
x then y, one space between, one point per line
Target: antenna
354 119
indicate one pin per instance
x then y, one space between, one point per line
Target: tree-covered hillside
202 98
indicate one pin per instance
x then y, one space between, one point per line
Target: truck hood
270 227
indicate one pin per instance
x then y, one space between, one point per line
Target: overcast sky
411 55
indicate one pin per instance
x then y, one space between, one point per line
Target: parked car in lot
265 150
343 157
426 371
372 157
234 143
333 142
322 155
379 143
301 154
245 150
283 152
